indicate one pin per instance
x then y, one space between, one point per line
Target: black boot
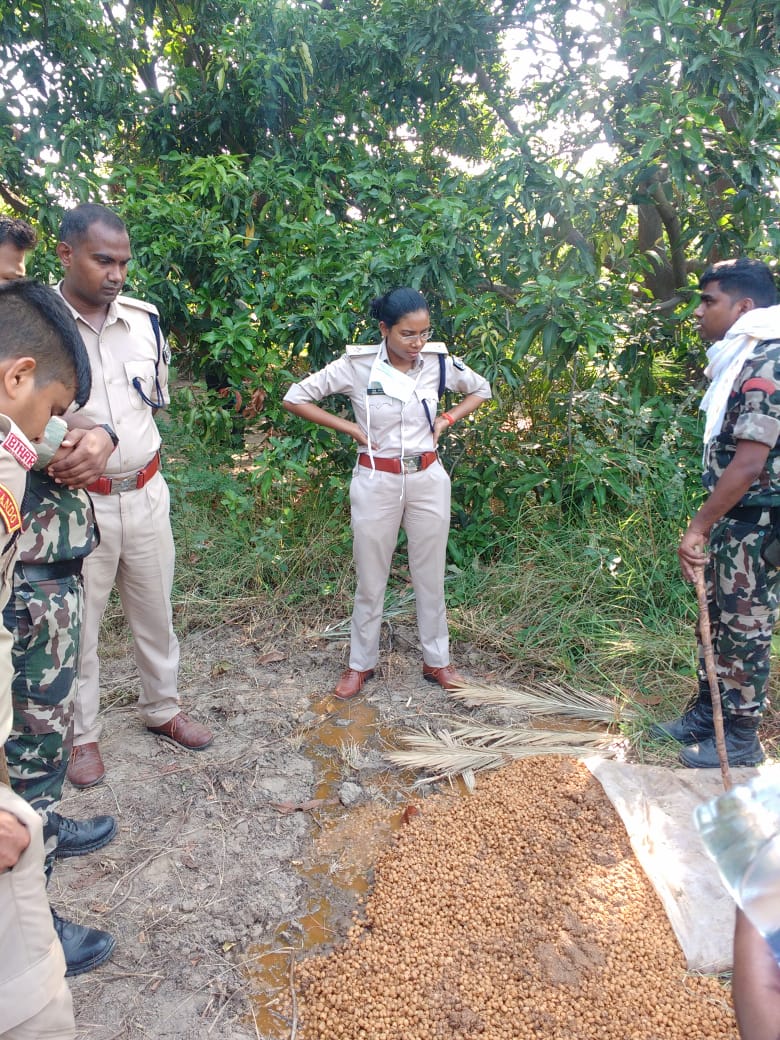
694 726
84 948
78 837
743 748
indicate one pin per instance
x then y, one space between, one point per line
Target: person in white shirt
398 480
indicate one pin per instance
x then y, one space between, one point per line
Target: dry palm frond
464 749
397 605
548 698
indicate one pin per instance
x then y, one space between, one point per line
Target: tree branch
671 222
16 204
503 113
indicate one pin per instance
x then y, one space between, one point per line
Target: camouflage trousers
44 618
744 596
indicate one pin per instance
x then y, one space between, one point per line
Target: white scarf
726 359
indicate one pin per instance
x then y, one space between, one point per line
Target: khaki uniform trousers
136 550
35 1002
382 503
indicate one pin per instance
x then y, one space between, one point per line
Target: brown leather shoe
351 683
185 731
85 766
448 677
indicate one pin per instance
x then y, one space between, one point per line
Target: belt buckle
411 463
125 484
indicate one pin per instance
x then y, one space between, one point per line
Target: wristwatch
109 430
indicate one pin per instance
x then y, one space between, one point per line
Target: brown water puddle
344 848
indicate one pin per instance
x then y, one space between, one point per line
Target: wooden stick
712 676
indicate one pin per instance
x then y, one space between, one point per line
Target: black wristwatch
109 430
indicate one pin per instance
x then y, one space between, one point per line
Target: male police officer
130 375
739 523
43 368
44 617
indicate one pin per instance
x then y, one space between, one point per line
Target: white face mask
394 383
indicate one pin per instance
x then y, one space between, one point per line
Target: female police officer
398 480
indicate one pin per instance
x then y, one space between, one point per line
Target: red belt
406 464
113 485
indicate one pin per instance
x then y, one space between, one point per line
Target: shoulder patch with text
22 452
9 510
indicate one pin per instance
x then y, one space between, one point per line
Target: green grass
592 597
587 598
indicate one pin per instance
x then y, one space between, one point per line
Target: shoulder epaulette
362 349
141 305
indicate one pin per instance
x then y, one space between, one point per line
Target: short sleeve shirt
124 357
393 427
752 414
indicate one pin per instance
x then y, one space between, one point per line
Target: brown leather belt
405 464
113 485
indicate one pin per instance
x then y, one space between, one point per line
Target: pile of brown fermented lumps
516 913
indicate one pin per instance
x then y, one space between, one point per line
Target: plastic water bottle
741 831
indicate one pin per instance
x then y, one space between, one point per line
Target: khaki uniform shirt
122 351
394 428
17 455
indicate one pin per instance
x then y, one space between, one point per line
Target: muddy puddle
345 843
346 840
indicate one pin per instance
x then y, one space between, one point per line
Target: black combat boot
78 837
694 726
84 948
743 748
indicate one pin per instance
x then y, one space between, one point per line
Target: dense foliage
551 173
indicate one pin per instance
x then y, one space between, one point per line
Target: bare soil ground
232 864
214 864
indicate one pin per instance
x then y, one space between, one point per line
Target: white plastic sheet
656 806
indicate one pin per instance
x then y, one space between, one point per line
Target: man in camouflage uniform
735 535
44 618
44 368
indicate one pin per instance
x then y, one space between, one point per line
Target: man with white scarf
735 535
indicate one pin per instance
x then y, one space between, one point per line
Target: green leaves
280 163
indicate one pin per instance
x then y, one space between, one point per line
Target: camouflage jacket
752 414
57 523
